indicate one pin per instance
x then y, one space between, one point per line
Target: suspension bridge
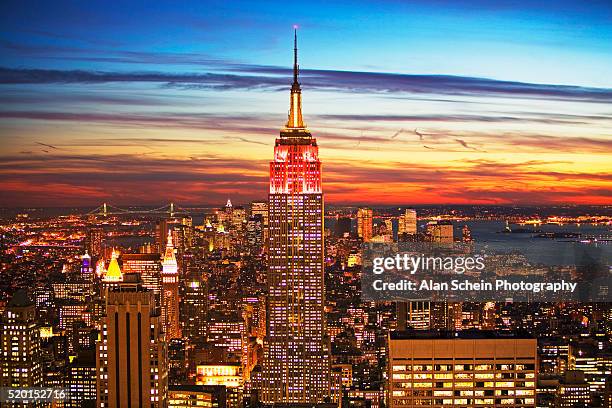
106 209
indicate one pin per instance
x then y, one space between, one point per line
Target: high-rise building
20 347
414 314
81 380
468 369
170 295
364 224
254 232
407 223
149 267
296 366
195 302
445 315
261 208
238 219
132 354
573 391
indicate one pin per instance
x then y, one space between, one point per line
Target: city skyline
186 103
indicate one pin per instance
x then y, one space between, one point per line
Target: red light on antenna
295 26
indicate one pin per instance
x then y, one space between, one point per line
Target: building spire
296 67
295 120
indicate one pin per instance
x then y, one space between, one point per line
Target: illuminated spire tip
295 120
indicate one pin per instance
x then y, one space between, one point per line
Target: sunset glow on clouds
181 107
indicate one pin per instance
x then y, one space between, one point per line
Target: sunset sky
412 102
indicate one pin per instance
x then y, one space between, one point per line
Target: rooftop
471 334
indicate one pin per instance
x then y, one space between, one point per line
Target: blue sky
551 42
511 96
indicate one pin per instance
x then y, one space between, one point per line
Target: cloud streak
244 76
87 179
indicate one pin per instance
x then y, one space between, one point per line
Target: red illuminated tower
296 355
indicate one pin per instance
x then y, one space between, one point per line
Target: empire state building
296 355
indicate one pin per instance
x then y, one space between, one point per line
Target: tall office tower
20 349
296 355
95 239
445 315
224 214
195 302
170 295
149 267
414 314
132 355
81 380
488 316
573 391
389 226
238 219
468 369
364 224
261 208
407 223
254 232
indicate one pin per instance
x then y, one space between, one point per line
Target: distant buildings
440 232
255 231
414 314
407 223
95 242
364 224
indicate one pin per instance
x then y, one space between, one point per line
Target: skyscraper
20 350
364 224
148 266
81 380
296 356
170 296
132 356
407 223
